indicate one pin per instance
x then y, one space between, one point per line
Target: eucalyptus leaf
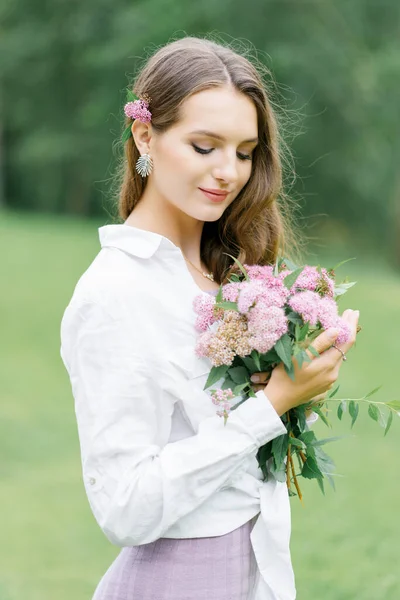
373 412
341 409
389 422
393 404
321 415
353 411
373 392
334 392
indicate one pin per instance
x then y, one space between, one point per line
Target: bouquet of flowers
268 315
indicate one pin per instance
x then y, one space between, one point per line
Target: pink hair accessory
136 108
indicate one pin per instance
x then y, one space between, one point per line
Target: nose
227 170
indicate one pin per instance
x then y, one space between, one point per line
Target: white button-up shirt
156 459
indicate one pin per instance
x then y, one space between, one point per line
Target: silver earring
144 165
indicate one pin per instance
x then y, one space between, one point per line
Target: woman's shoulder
112 279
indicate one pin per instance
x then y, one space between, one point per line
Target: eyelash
203 151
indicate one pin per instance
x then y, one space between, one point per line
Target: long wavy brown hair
259 224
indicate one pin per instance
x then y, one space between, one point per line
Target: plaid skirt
209 568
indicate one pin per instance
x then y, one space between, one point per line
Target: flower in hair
136 108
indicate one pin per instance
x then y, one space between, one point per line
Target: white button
92 480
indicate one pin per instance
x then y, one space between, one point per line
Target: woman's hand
262 379
313 378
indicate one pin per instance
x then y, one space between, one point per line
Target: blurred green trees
65 65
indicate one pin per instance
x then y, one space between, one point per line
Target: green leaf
308 437
321 485
256 357
341 409
389 422
334 392
297 442
328 440
295 318
341 263
311 470
239 264
215 375
290 280
283 348
373 392
290 371
127 134
250 364
342 288
313 351
324 461
239 374
279 474
393 404
279 449
373 412
227 305
321 415
130 96
239 388
219 297
303 332
353 410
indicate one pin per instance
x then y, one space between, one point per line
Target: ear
142 134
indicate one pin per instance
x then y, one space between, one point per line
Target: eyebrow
220 137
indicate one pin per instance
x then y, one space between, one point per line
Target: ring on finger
341 351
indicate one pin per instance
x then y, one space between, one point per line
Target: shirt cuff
260 418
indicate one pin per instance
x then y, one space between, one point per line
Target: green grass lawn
344 545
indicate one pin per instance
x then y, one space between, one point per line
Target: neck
183 231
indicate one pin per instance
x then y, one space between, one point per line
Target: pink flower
138 110
259 272
230 291
310 279
266 324
327 312
307 305
204 305
344 331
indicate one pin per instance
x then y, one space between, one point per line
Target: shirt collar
135 241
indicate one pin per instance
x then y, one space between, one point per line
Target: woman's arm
137 484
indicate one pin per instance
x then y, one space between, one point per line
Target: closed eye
204 151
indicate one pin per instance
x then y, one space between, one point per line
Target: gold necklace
209 276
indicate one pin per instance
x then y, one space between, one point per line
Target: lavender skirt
209 568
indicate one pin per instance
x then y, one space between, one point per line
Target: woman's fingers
259 380
351 317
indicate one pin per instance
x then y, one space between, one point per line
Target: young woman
178 491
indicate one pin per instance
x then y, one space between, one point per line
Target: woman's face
185 161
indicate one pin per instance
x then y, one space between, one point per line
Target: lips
214 195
